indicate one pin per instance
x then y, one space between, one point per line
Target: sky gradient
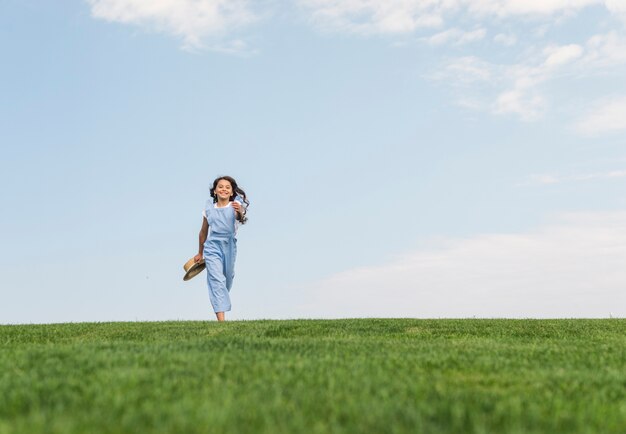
403 159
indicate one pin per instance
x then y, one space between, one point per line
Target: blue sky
403 159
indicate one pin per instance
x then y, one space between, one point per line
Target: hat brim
194 270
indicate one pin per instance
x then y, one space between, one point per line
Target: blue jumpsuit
220 252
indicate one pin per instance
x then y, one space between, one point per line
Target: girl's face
223 190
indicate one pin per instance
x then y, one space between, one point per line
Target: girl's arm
239 210
204 232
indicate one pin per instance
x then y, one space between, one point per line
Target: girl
222 214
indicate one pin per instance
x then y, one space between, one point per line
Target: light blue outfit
220 252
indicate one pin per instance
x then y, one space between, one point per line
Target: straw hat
192 269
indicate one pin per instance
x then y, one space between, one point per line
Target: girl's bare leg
220 316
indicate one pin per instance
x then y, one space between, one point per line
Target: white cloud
617 7
456 37
606 116
194 21
406 16
573 267
519 88
512 89
559 56
444 37
523 97
506 8
466 70
373 16
527 106
504 39
603 51
474 35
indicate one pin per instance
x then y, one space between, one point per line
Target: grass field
315 376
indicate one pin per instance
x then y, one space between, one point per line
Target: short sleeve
209 203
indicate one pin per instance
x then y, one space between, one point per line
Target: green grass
342 376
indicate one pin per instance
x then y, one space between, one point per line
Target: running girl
217 243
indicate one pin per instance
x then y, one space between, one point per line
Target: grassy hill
314 376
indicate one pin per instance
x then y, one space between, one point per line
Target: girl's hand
198 258
238 210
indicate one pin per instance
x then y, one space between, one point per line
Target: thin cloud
442 38
545 8
199 23
604 51
507 89
527 105
505 39
376 17
572 267
467 70
524 97
548 179
373 17
456 37
618 7
472 36
518 89
559 56
606 116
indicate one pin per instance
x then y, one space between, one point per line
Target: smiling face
223 190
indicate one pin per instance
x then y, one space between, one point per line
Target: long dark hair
236 192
